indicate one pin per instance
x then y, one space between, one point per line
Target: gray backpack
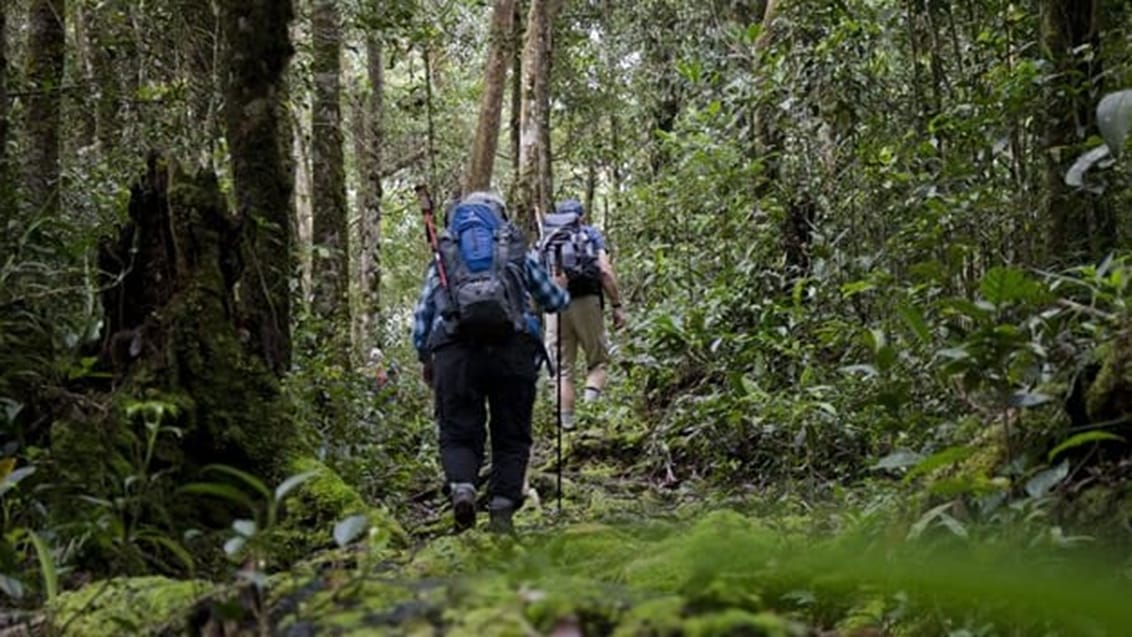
566 247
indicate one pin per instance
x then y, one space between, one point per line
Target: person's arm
550 295
609 279
611 289
423 317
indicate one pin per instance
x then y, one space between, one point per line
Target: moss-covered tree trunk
1082 224
172 323
370 157
482 160
330 264
175 343
4 181
42 115
258 50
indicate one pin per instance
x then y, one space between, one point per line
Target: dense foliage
876 265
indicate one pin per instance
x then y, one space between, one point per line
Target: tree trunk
516 88
330 267
173 337
615 176
1082 224
665 107
4 181
109 41
259 48
533 190
482 161
371 192
545 159
591 186
45 74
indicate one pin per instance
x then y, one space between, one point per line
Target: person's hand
560 279
426 373
618 317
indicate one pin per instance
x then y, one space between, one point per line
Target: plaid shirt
549 296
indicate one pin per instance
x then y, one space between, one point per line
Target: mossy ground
630 557
690 570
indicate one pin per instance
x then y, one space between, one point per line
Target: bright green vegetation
875 380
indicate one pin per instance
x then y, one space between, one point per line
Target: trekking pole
558 398
430 232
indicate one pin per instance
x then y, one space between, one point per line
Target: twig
1086 309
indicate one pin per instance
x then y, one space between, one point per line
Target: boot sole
465 513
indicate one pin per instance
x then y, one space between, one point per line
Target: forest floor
627 557
637 548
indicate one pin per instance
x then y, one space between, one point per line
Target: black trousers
472 382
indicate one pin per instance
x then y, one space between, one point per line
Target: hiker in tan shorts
579 250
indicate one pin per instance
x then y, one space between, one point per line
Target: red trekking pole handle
430 232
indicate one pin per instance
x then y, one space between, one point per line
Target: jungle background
876 378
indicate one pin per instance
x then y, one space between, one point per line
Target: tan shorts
582 325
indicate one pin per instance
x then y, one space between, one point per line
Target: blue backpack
483 256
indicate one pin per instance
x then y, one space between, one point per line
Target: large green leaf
1114 119
1006 285
948 456
1082 439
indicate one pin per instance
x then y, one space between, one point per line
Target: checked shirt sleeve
548 295
425 314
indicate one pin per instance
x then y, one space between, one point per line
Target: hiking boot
464 505
500 511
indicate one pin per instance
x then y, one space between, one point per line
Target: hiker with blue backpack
472 333
572 247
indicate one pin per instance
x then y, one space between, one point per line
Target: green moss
1102 510
658 616
1108 396
501 621
868 613
723 546
739 622
977 472
311 512
124 605
451 555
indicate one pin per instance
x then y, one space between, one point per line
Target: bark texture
3 107
259 49
534 189
42 117
330 264
371 194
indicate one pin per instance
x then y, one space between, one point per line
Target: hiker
382 377
475 345
571 246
